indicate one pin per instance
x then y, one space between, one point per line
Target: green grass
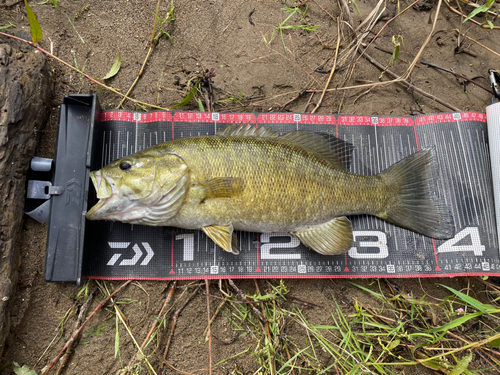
371 332
284 25
450 336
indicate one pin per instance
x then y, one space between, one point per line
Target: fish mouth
104 193
112 205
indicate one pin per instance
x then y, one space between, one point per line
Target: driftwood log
25 89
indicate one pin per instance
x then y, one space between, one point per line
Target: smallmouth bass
253 179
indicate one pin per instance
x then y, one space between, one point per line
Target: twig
332 71
266 323
156 322
207 284
77 332
409 85
81 315
80 72
475 344
302 92
458 75
308 103
386 24
479 44
165 362
289 358
477 351
244 298
345 8
324 10
302 3
426 41
174 322
250 17
120 315
303 302
221 305
150 51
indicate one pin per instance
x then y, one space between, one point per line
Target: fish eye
125 165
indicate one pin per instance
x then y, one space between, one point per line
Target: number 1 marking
188 246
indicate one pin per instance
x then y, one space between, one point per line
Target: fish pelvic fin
331 238
412 207
223 236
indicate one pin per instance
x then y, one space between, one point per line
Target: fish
250 178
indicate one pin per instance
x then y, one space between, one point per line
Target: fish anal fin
221 187
334 150
331 238
223 236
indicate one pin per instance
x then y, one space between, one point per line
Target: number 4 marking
475 245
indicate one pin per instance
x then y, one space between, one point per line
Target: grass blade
480 9
36 30
455 323
74 28
117 338
200 105
115 68
7 26
484 308
495 343
188 97
462 365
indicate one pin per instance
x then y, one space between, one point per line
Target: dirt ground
229 37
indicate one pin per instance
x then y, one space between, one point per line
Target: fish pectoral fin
333 237
221 187
223 236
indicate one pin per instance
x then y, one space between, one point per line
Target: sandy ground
231 38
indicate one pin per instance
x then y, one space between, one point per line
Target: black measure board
115 250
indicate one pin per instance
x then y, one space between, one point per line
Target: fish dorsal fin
334 150
247 130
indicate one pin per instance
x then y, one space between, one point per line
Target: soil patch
258 67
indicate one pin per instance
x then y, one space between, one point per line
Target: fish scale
279 177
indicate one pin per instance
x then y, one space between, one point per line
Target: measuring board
114 250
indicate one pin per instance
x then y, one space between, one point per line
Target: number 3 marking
380 244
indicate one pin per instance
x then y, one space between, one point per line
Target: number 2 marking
265 251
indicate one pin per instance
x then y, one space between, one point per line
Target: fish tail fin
411 206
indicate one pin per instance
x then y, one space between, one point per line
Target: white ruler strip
493 116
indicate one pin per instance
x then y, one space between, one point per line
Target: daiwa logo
137 256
